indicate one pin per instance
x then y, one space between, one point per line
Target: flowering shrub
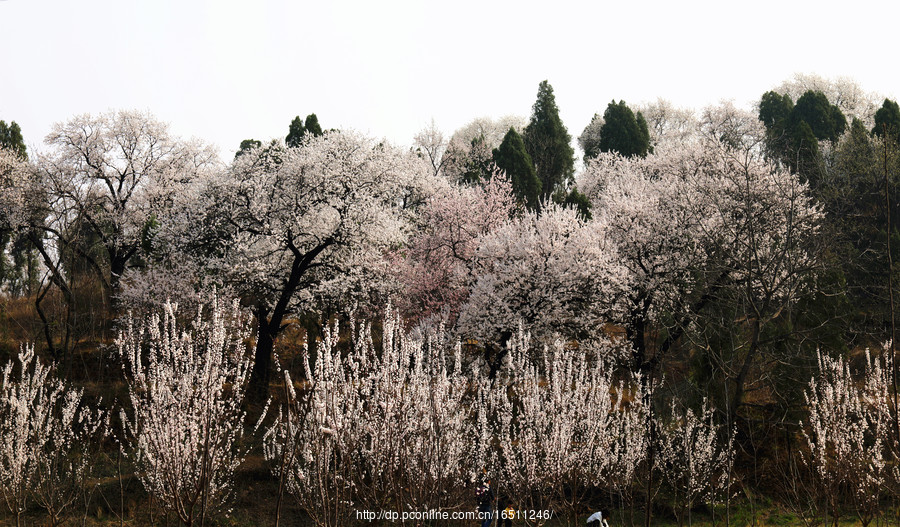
693 458
846 433
46 433
563 423
186 387
376 427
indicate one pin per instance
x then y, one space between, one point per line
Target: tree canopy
298 129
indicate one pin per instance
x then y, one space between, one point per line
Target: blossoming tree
290 228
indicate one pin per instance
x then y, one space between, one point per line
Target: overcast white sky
225 71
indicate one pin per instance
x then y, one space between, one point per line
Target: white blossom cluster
692 456
46 432
116 175
551 270
186 388
408 425
330 207
376 428
562 422
19 191
847 433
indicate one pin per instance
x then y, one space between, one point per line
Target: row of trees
718 262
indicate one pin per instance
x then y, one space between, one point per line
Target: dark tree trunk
261 374
270 324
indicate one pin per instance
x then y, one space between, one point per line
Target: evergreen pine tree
11 139
548 143
623 132
887 119
512 158
805 159
775 111
825 120
296 131
312 125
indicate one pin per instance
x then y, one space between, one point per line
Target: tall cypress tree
794 130
312 125
548 143
775 112
512 158
825 120
298 129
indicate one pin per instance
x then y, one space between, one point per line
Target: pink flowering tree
435 266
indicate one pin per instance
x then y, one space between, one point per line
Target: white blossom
563 423
692 456
552 271
46 436
374 428
186 387
847 431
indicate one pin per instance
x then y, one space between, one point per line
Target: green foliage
19 265
578 201
512 158
11 139
623 132
794 130
247 145
887 119
824 119
18 260
805 159
312 125
298 129
549 143
774 110
853 197
479 164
